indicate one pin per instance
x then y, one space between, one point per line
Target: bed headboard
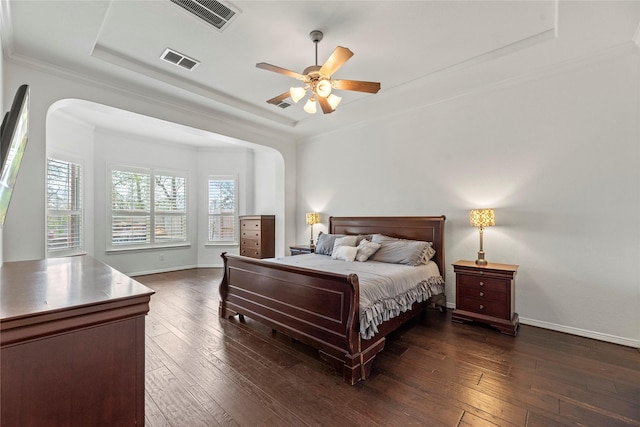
427 228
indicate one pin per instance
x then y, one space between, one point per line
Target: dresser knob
481 283
481 294
481 307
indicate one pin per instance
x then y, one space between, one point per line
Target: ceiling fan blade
278 99
337 59
275 69
326 107
355 85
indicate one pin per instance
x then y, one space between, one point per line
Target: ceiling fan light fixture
323 88
297 93
334 101
310 106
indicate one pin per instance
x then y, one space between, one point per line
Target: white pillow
366 249
344 253
345 241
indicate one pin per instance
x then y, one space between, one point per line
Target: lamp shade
482 218
310 106
334 100
297 93
313 218
323 88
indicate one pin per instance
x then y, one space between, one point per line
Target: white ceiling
420 51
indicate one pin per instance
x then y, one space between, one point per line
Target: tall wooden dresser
258 236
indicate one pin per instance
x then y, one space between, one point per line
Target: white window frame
154 242
78 213
236 239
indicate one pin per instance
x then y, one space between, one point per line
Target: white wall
25 222
557 155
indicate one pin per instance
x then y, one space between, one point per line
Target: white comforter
386 290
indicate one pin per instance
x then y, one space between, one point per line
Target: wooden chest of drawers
257 236
486 294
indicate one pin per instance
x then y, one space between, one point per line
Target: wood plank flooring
205 371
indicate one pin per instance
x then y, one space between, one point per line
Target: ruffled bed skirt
385 309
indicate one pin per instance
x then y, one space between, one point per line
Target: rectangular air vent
283 104
211 11
179 59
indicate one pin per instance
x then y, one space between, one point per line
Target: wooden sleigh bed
318 308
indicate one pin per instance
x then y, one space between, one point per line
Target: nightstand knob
481 307
481 283
481 294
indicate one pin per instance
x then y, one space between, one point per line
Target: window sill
113 250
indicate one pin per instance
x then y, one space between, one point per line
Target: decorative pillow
325 243
344 253
401 251
366 249
345 241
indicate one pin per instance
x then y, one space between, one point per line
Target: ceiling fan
318 79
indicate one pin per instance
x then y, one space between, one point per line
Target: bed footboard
317 308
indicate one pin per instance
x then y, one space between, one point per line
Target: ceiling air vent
179 59
211 11
283 104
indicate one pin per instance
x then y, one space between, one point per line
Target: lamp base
481 260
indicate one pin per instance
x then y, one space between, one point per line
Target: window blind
64 207
147 208
222 209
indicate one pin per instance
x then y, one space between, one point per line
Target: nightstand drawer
483 306
484 294
474 282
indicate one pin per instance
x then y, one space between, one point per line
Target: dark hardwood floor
206 371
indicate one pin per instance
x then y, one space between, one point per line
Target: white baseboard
582 332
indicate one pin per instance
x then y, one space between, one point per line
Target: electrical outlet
161 257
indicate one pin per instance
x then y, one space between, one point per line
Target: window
222 209
64 208
148 208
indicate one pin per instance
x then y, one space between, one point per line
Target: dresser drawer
250 224
473 282
250 234
253 253
250 243
483 306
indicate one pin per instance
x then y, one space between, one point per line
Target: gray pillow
325 243
401 251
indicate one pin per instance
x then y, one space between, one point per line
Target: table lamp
312 218
482 218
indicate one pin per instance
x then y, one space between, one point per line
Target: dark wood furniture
301 249
258 236
71 344
486 294
318 308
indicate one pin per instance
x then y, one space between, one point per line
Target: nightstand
302 249
486 294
